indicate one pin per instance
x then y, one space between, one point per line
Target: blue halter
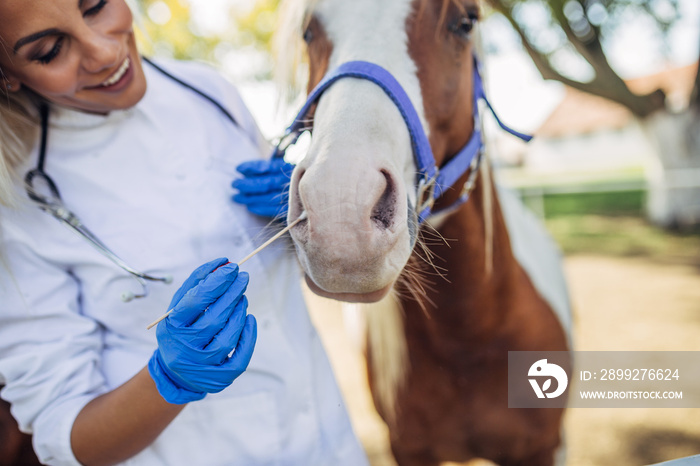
431 181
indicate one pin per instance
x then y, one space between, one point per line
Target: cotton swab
242 261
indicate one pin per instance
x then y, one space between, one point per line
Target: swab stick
242 261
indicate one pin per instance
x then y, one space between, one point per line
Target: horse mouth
371 297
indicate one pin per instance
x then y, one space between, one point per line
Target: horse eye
463 26
308 35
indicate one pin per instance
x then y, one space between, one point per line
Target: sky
516 90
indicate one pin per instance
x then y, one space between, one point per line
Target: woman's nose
100 52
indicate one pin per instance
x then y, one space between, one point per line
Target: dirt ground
630 304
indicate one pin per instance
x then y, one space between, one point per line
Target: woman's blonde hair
19 123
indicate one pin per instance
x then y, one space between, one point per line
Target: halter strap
431 182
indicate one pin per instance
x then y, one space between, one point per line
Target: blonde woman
89 131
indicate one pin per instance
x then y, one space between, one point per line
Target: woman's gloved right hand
207 323
264 187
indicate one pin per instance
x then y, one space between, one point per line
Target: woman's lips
118 80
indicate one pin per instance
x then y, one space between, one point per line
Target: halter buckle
425 194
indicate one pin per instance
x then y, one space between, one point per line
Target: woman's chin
371 297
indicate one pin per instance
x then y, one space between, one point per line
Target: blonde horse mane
289 48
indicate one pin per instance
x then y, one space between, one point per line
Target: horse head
360 183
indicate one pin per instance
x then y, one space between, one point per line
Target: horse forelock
289 46
360 30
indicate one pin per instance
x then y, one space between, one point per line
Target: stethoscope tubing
53 204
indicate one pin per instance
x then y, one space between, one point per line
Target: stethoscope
52 203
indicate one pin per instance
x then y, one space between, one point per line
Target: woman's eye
464 25
51 54
92 11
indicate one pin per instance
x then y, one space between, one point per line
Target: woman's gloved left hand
207 323
264 188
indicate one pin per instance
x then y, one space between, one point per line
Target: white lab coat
153 183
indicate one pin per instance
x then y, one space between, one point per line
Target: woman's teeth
118 74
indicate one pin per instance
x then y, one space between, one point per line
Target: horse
389 82
15 446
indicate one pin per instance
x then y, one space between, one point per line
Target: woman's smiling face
80 54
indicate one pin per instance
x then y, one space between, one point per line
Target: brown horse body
453 403
15 447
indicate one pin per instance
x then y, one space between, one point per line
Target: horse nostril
384 209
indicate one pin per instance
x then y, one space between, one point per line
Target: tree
167 28
581 26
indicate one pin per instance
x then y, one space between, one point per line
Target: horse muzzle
356 239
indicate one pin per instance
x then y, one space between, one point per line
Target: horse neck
479 270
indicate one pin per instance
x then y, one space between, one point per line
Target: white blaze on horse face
375 31
358 177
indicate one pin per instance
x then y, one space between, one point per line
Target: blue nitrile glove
192 358
264 188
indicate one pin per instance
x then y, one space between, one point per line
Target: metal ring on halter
287 139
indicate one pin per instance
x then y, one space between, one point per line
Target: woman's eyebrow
33 37
38 35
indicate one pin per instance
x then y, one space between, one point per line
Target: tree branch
606 84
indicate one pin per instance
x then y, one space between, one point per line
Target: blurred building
586 132
591 140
